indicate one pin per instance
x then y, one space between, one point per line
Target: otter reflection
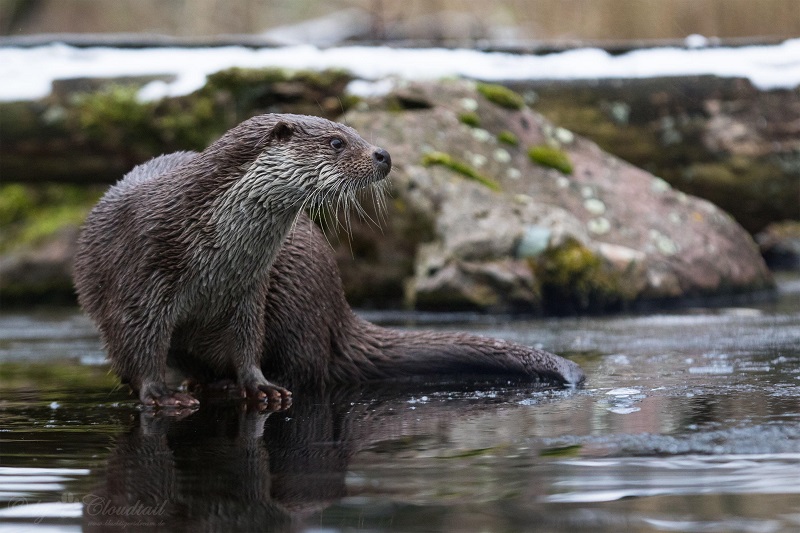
222 468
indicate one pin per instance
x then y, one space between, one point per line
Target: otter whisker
349 205
362 213
374 192
300 211
341 204
330 212
320 200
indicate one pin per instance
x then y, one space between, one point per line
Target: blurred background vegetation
505 20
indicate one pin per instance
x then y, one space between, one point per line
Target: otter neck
251 219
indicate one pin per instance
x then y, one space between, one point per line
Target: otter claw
267 392
175 399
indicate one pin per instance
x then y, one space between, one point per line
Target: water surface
689 421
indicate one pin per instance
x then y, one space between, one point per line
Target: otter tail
381 353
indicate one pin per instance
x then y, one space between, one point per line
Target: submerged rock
596 234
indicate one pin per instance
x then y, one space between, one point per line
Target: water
690 421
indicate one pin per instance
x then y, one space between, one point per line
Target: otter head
310 161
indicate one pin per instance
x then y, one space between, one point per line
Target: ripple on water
602 480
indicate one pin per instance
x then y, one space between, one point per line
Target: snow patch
28 73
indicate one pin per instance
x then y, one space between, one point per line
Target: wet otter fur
185 262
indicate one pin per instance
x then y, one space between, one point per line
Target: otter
186 263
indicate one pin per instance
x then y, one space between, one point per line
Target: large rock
569 228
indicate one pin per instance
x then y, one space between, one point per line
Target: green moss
573 279
236 78
445 160
470 119
323 79
562 451
502 96
507 137
477 452
548 156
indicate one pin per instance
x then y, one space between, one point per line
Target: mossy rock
500 95
446 160
98 135
237 77
254 91
547 156
114 117
575 280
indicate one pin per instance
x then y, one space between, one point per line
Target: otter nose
382 158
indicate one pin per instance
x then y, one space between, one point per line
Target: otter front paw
266 392
159 395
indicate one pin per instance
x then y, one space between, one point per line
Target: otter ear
281 131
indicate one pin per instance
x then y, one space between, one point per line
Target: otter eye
337 144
